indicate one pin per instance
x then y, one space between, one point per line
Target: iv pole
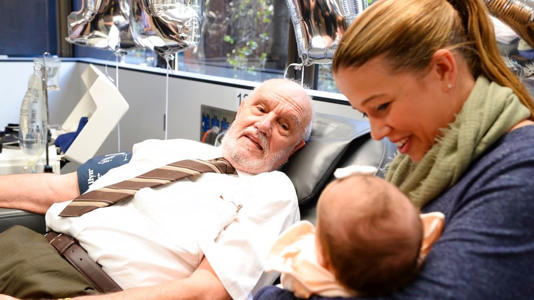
44 81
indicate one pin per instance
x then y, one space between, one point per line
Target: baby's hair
359 238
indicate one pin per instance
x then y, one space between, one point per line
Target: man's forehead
285 92
279 84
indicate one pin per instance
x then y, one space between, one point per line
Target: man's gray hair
308 131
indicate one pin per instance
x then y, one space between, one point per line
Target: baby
369 241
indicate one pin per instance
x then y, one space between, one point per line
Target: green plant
249 34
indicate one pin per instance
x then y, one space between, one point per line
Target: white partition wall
144 90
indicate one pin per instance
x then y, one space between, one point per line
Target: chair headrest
335 142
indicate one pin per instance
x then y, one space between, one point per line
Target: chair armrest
11 217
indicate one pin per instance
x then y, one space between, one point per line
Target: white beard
230 150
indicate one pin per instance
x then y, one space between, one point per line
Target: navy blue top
486 250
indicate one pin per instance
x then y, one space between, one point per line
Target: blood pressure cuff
97 166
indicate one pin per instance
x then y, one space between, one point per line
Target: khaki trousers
32 268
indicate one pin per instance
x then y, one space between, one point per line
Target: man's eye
260 109
284 126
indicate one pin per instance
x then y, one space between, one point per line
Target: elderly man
193 238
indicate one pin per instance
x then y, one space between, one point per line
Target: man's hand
202 284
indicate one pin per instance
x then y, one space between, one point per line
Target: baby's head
368 234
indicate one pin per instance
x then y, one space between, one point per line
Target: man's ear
444 67
298 146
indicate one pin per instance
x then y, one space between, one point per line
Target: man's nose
265 124
379 129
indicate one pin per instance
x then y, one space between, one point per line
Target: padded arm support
11 217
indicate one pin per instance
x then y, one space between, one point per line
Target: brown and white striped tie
125 190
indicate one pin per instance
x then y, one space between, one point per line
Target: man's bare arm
202 284
36 192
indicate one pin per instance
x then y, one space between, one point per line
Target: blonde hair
409 32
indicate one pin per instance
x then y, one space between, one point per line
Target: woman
428 75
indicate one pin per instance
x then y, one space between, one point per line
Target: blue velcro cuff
97 166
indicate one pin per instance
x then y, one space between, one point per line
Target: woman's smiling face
406 107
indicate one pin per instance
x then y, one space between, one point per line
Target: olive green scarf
488 113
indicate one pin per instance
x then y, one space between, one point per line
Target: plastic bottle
33 120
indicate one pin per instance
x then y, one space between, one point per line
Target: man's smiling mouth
255 141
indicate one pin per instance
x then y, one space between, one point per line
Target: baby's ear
432 227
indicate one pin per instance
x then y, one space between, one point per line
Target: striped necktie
125 190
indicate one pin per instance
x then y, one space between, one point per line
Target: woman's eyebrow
367 100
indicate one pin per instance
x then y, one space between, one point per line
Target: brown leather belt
69 249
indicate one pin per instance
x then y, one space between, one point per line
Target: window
325 81
245 39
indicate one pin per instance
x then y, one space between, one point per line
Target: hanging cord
214 130
205 136
297 67
106 72
218 139
166 115
44 77
118 59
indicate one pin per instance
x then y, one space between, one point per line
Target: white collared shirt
163 233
